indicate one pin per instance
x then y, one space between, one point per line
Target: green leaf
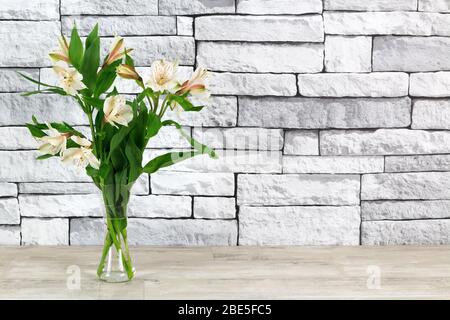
153 125
134 156
128 60
184 103
194 143
35 131
36 81
118 138
44 156
168 159
92 36
93 173
75 49
66 128
106 78
50 90
96 102
91 61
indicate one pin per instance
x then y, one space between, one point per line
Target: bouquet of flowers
120 128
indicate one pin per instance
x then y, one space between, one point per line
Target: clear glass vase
115 263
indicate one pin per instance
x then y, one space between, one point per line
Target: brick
9 211
411 54
389 23
298 189
148 49
348 54
324 113
261 57
11 81
214 208
169 137
439 162
192 183
379 84
434 5
406 186
32 170
45 232
301 142
241 138
186 232
17 110
185 26
371 5
16 138
384 142
299 225
31 48
111 7
228 161
324 164
278 7
414 232
192 7
123 25
141 187
431 114
9 235
260 28
401 210
29 10
430 84
154 206
8 190
253 84
218 112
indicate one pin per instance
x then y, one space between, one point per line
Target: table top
398 272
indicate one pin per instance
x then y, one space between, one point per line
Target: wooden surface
232 273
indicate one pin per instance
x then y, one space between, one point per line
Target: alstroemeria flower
82 156
71 80
196 86
116 51
63 53
163 76
54 142
128 72
117 111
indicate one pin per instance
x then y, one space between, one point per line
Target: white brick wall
331 119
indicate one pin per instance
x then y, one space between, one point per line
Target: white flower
53 143
63 53
71 80
117 111
117 51
163 76
196 86
82 156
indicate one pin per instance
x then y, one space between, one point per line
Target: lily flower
82 156
63 53
54 142
71 80
128 72
196 86
116 51
163 76
117 111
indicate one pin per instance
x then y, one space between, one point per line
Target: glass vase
115 262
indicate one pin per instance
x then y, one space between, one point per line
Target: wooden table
231 273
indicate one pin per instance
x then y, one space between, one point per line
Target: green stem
91 125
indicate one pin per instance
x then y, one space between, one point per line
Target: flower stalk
120 128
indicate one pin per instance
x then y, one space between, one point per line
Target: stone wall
330 117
